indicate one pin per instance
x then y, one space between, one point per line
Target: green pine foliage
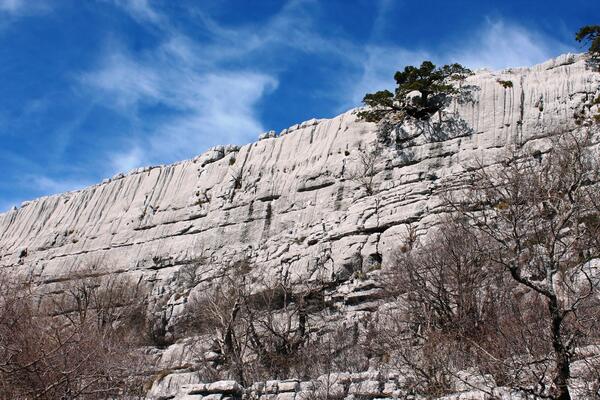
435 86
590 34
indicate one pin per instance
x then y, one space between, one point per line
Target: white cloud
43 185
128 80
499 45
141 11
121 75
50 185
221 109
11 6
494 45
377 68
128 160
214 104
23 7
208 105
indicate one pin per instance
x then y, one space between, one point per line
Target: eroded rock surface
287 203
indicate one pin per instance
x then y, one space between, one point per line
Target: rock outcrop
365 385
288 203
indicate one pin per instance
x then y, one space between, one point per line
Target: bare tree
540 219
78 346
365 170
218 311
442 291
508 285
444 281
260 327
282 317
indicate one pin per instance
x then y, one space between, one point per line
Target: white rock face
286 203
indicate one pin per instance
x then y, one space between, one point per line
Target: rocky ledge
289 204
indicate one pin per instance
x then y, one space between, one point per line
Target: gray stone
365 388
257 387
188 397
307 386
225 387
214 396
197 388
286 396
469 395
389 388
290 385
335 377
271 386
211 356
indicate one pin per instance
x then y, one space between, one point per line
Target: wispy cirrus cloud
499 44
18 8
128 80
127 160
14 10
11 6
213 94
376 69
141 10
211 90
496 44
52 185
44 184
206 105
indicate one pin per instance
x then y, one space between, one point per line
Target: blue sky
91 88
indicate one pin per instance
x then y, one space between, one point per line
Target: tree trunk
563 362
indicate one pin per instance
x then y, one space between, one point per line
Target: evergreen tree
420 92
590 34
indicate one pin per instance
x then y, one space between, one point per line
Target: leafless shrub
541 217
444 282
365 170
346 347
79 346
442 290
509 285
265 329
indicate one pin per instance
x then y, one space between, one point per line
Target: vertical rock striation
287 202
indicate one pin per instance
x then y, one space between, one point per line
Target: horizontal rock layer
284 201
288 202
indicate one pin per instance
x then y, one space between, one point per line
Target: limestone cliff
287 202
